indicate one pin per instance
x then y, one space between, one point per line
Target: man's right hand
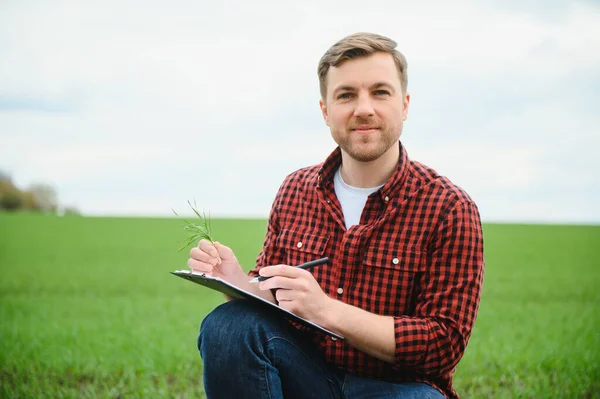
215 260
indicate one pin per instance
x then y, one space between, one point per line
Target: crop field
88 309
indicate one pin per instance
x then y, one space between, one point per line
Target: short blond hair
360 45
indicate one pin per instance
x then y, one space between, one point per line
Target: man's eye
344 96
382 93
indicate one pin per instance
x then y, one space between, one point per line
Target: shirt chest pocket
302 247
389 280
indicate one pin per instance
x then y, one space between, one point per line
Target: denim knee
230 323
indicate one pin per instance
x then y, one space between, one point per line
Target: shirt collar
389 189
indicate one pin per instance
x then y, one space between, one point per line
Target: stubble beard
371 147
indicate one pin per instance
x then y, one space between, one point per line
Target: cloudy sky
132 108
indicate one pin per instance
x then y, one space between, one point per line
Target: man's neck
369 174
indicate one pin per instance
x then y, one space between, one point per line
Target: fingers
199 266
199 255
286 283
209 248
223 251
291 300
282 270
288 295
204 257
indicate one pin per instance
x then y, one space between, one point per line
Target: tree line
38 197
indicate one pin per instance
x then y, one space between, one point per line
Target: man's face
365 107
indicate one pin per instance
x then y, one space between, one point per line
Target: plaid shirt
417 255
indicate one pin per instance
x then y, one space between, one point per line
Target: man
406 259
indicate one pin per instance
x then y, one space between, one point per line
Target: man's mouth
365 129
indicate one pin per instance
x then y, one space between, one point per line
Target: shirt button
299 245
333 338
340 291
386 199
395 261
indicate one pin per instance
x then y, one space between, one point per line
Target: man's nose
364 106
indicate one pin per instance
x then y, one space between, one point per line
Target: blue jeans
249 352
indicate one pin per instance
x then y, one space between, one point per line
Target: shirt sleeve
434 339
270 254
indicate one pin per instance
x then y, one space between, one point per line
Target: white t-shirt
352 199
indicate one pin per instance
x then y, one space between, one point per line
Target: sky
131 108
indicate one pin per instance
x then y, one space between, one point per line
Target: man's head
363 96
360 45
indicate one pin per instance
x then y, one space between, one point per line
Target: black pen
307 265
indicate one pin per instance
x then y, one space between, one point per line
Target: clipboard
217 284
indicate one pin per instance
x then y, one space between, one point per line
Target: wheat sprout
197 231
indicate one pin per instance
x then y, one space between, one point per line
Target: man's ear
324 111
405 104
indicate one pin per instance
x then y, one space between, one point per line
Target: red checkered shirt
417 255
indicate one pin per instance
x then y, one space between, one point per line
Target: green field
88 309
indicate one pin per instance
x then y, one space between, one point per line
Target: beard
370 147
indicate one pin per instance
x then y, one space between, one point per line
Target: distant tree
11 200
6 183
10 196
39 197
44 197
29 201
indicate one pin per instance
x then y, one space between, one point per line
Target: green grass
88 309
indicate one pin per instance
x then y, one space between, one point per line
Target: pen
307 265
